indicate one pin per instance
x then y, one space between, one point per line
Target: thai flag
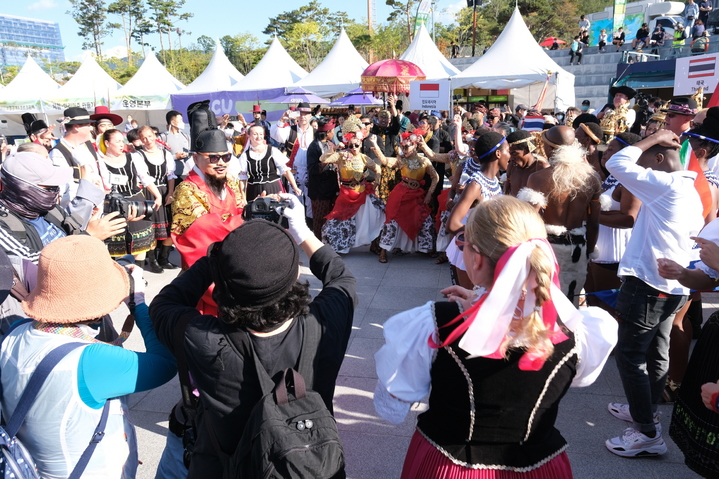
702 67
429 90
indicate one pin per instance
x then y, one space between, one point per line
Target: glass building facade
19 35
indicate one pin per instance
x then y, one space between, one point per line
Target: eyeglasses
354 145
216 158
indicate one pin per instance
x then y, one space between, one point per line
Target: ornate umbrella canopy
391 76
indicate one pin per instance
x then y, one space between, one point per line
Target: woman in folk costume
408 224
262 166
491 154
358 215
503 354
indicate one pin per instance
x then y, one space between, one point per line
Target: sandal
442 259
374 247
383 256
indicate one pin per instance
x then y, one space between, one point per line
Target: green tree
132 14
8 74
304 41
206 44
90 16
242 50
62 70
329 22
403 10
186 64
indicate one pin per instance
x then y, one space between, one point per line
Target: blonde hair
493 227
571 174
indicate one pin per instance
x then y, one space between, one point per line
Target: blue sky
224 18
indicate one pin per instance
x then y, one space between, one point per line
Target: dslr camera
116 202
266 208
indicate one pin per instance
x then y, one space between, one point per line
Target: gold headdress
351 125
614 121
698 97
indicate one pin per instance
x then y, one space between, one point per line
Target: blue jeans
171 464
642 354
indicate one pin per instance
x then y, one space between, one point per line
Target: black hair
156 130
585 118
629 138
519 135
133 135
170 115
710 129
432 120
266 318
485 143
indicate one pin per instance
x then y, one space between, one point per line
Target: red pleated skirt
424 461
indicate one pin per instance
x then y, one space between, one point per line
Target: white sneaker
635 444
621 411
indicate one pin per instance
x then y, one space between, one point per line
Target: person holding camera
30 216
262 305
208 204
127 172
78 282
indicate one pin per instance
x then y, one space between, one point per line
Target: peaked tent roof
25 90
339 72
425 54
220 75
515 60
90 84
152 84
277 69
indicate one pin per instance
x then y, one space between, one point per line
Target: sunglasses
216 158
366 124
354 145
461 243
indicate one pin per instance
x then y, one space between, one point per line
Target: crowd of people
693 28
569 235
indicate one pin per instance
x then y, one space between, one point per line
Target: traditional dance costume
139 236
408 224
474 387
358 215
262 171
161 168
490 188
200 218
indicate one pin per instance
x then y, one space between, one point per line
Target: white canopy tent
24 92
425 54
339 72
277 69
23 95
146 96
220 75
89 87
516 61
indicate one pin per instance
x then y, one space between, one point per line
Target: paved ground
375 449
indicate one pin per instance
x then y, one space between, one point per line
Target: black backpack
290 432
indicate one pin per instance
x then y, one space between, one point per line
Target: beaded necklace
610 182
490 186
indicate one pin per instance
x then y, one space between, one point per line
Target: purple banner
235 102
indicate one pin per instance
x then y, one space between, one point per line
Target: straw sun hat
76 281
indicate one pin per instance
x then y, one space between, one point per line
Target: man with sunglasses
208 204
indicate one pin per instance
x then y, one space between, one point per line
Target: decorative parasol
550 40
391 76
298 95
357 97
